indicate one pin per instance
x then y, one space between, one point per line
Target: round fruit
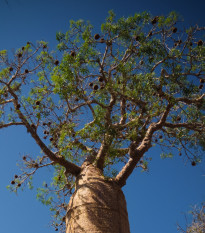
12 182
18 106
95 87
193 163
24 157
16 176
137 38
44 46
23 48
51 139
150 34
201 86
19 55
190 44
38 102
96 36
100 79
90 84
11 69
44 137
200 43
73 54
160 136
155 20
19 185
26 71
174 30
180 153
56 62
202 80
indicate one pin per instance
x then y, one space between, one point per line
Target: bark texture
97 206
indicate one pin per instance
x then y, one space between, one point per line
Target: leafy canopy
106 97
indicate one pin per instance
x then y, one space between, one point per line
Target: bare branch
10 124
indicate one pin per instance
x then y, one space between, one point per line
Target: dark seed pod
16 176
90 84
202 80
137 38
193 163
190 44
38 102
56 62
180 154
11 69
12 182
45 131
155 20
160 136
102 87
26 71
200 43
73 54
49 123
28 43
44 137
19 185
174 30
100 79
95 87
44 124
44 46
18 106
23 48
51 139
156 140
76 99
96 36
201 86
24 158
19 55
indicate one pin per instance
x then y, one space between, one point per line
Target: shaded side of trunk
97 205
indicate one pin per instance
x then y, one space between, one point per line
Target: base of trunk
97 205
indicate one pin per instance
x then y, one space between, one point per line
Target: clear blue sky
156 200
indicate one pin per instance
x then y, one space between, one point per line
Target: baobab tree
96 107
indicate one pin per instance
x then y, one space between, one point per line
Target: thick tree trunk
98 205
